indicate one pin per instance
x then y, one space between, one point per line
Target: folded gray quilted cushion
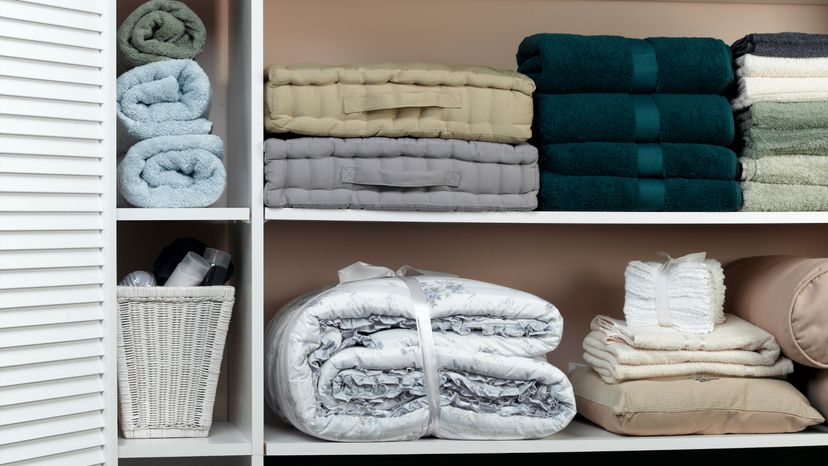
400 174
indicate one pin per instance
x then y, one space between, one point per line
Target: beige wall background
578 268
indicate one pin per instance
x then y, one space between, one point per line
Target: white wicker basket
170 344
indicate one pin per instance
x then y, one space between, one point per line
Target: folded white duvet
345 364
763 89
734 348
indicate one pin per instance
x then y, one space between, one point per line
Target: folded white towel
781 67
762 89
735 348
687 295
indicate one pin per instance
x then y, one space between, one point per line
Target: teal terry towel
769 142
701 119
695 161
613 193
163 99
765 197
568 63
160 30
173 171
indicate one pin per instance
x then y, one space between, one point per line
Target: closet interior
575 260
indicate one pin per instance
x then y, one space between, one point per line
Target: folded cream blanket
686 293
734 348
767 197
792 170
763 89
781 67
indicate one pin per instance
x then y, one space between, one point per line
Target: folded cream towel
735 348
762 89
767 197
781 67
692 299
791 169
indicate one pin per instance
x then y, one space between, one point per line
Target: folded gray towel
766 197
782 44
793 169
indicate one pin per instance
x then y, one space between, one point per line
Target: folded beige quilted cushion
398 100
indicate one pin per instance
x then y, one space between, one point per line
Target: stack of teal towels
632 124
782 117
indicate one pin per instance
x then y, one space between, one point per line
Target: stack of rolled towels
632 125
782 115
173 160
678 364
404 136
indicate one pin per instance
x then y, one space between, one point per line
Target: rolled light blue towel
173 171
164 98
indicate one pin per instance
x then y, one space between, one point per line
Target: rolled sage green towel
784 115
761 142
160 30
766 197
794 169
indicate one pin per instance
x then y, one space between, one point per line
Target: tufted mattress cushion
400 174
398 100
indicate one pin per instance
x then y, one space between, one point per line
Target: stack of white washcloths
686 294
675 326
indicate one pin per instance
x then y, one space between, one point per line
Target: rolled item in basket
759 89
784 116
346 363
164 99
781 67
782 44
569 63
686 294
695 161
683 118
760 142
786 296
615 193
173 171
790 170
774 197
160 30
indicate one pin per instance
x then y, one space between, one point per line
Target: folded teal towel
164 98
697 161
701 119
173 171
612 193
160 30
567 63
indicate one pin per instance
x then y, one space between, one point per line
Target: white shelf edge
564 218
207 213
224 440
579 436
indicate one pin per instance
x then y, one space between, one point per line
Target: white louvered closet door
56 233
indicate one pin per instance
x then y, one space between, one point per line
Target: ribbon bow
364 271
662 287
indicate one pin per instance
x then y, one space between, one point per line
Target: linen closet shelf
58 212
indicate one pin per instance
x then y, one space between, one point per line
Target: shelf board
207 213
596 218
224 440
579 436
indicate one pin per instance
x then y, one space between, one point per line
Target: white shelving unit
575 259
561 218
579 436
241 214
224 440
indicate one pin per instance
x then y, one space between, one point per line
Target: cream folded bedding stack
782 116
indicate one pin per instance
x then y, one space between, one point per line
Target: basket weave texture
170 345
